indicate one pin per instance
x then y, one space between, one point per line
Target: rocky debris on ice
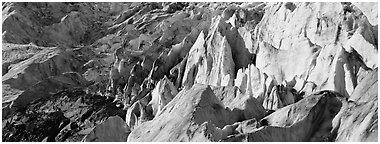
65 116
13 54
49 24
39 76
